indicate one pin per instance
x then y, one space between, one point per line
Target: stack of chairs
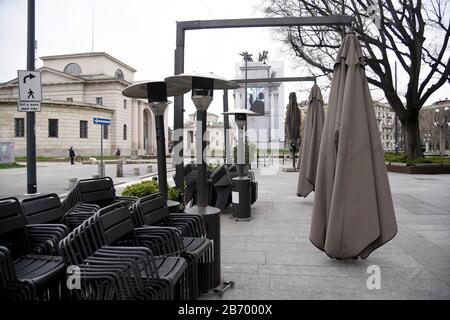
87 197
109 241
28 267
195 247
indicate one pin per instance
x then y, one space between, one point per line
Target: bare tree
413 32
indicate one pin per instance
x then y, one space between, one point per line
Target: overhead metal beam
182 26
266 22
283 79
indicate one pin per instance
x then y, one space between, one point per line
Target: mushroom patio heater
157 92
203 86
241 193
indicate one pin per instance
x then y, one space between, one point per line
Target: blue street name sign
103 121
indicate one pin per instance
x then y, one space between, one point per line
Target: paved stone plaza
270 257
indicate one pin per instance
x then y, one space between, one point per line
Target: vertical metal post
161 147
202 179
178 114
241 156
226 125
31 116
395 116
101 148
343 12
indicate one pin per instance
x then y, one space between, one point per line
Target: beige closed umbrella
292 125
312 135
353 213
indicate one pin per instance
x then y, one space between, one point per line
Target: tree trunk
413 146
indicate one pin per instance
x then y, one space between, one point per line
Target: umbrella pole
293 157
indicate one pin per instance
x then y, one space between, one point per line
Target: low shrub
149 187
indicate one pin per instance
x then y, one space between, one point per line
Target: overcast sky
142 34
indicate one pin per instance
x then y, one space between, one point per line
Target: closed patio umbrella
353 213
311 143
292 125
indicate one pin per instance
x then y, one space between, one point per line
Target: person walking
118 152
72 155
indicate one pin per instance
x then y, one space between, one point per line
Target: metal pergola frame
183 26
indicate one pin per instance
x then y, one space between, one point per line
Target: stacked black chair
109 240
87 197
10 287
222 187
48 209
152 211
34 275
46 212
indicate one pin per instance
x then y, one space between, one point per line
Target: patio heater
241 193
157 92
203 86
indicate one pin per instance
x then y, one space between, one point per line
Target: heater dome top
139 89
185 79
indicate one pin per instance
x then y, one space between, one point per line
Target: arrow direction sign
30 75
102 121
30 90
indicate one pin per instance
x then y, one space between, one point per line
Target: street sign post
30 91
102 122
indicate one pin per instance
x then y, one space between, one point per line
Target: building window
83 129
105 132
53 128
124 132
69 99
19 127
99 101
73 68
119 74
217 143
125 103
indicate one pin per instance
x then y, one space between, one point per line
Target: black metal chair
109 239
99 192
222 187
40 275
10 287
152 210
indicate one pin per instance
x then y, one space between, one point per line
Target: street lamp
203 86
442 120
241 188
157 92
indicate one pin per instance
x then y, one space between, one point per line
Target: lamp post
427 140
203 86
157 92
442 120
241 189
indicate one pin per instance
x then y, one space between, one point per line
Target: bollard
72 182
119 169
136 171
101 169
149 169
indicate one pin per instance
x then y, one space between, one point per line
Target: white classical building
214 137
75 89
265 98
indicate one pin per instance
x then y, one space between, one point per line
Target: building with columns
214 137
266 99
75 89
